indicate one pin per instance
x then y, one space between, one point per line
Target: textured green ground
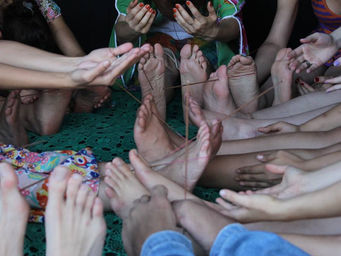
109 132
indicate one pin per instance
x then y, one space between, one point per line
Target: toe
57 184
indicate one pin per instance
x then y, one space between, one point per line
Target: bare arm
278 37
65 39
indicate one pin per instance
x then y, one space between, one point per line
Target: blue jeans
233 240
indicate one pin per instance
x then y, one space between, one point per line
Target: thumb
277 169
309 39
211 11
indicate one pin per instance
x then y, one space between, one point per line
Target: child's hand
140 17
280 127
199 25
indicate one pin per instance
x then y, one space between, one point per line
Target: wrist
212 33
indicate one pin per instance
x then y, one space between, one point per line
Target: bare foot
123 187
199 154
195 217
28 96
217 96
12 131
137 227
13 213
197 115
152 77
193 68
86 100
281 77
151 138
243 82
75 226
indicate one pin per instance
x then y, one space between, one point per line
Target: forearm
226 31
315 245
23 56
18 78
325 122
306 140
65 39
322 161
124 33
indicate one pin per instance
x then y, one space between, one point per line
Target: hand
257 177
140 17
106 72
198 25
315 50
280 127
305 88
333 83
248 207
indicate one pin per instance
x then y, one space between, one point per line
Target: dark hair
24 23
166 6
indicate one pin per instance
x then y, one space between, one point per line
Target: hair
23 22
166 6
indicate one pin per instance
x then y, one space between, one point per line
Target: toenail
60 174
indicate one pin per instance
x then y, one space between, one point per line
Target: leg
75 225
13 215
12 130
86 100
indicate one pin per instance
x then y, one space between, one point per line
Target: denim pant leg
167 243
235 240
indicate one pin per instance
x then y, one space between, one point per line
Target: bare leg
12 130
75 226
243 82
152 77
13 214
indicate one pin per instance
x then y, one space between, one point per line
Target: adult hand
140 17
333 83
315 50
280 127
197 24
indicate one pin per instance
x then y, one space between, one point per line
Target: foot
87 100
199 154
152 77
75 226
197 115
13 213
12 130
217 96
151 138
243 82
281 77
193 68
195 217
123 188
137 228
28 96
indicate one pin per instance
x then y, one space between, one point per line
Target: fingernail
154 12
174 10
177 6
151 10
188 3
210 3
317 79
147 6
336 63
301 83
174 16
141 4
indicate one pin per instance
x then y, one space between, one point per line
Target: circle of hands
140 18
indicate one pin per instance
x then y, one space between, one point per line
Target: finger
122 49
301 90
225 204
277 169
335 80
235 198
294 54
132 4
251 177
269 129
334 88
131 13
90 75
255 169
185 15
255 184
309 39
312 67
149 23
211 11
181 21
143 22
139 16
196 14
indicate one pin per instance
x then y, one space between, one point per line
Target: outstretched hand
280 127
197 24
315 50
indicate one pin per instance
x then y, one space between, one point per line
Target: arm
65 39
278 37
294 140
